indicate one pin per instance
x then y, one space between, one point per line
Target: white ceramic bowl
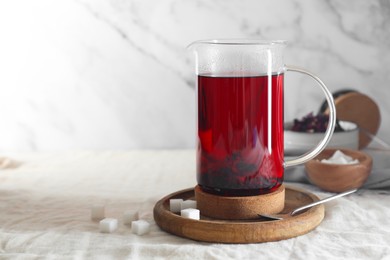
296 143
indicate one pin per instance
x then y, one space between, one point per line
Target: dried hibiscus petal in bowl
314 124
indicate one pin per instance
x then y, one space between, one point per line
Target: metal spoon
297 210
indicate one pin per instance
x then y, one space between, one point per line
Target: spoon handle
322 201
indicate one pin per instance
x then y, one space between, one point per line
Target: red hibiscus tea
240 134
240 116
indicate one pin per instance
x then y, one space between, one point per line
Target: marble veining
115 74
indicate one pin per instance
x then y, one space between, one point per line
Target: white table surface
45 212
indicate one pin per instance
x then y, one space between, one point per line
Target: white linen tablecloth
45 212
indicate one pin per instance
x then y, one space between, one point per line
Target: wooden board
241 231
360 109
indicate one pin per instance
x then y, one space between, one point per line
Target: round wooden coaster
360 109
248 207
241 231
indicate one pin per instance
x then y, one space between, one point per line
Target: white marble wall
113 74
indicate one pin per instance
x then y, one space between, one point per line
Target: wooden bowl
339 177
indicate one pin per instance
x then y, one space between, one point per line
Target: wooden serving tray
241 231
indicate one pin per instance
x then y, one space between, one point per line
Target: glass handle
331 124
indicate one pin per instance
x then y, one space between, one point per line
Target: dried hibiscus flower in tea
314 124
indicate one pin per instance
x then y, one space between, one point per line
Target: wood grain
241 231
361 110
339 177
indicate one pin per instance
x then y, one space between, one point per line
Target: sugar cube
175 205
97 212
188 204
140 227
129 216
108 225
190 213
